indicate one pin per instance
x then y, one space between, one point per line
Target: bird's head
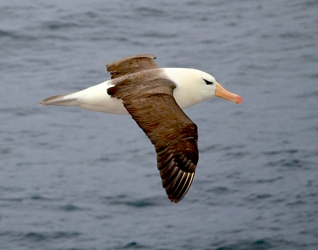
194 86
213 88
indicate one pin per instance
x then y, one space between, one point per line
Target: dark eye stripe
208 82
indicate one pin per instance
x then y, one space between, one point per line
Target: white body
191 89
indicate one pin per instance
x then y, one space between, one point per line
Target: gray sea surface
72 179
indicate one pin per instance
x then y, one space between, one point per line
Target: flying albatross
155 97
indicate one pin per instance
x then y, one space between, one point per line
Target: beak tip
238 99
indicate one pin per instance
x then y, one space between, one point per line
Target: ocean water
75 179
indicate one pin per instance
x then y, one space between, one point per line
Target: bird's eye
208 82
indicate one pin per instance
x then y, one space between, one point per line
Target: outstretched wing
132 64
153 107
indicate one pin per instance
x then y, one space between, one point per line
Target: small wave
126 201
11 189
219 148
257 197
57 25
260 244
314 76
141 203
39 236
70 208
16 36
151 12
264 244
45 236
277 152
133 245
291 163
220 190
20 111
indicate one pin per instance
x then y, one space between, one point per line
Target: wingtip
174 201
182 190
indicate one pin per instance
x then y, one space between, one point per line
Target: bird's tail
61 100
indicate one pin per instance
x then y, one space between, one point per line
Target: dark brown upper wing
174 135
132 64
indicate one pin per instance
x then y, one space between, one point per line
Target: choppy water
74 179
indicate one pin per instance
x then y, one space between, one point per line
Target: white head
194 86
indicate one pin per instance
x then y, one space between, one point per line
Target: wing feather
152 105
132 64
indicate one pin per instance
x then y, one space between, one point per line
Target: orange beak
227 95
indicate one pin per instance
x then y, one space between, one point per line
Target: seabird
155 97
